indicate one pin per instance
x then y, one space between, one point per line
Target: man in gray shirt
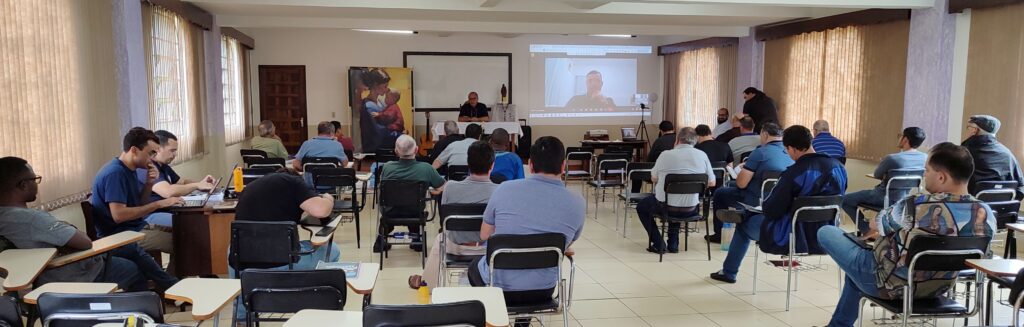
535 205
475 189
455 153
908 158
747 141
26 228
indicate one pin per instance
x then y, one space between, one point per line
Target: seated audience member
168 184
683 159
268 141
723 123
992 160
813 174
323 145
27 228
770 157
475 189
508 165
455 153
552 209
733 132
665 142
908 158
747 141
947 173
825 143
407 169
472 110
451 135
716 151
283 196
346 142
120 203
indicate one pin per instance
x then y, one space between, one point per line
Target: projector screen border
405 63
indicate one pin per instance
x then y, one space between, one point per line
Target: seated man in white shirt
683 159
455 153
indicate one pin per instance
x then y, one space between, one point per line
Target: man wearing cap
992 160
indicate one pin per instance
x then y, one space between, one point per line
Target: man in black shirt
665 142
731 133
759 107
992 160
473 111
716 151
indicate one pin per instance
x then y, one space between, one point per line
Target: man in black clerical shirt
665 142
473 111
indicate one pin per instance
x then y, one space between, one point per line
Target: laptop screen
628 133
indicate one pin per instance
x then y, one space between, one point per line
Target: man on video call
593 99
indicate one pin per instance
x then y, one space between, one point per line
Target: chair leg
664 232
707 232
423 246
860 317
686 241
789 280
359 238
756 263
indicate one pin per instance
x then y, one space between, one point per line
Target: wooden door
283 101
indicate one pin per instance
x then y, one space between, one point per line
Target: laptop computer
197 203
628 133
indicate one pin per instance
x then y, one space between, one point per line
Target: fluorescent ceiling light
386 31
614 35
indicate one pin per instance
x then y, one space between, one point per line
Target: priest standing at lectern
473 111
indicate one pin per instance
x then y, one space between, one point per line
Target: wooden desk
23 266
997 267
207 295
72 288
492 298
99 246
201 238
365 281
1010 248
311 317
640 146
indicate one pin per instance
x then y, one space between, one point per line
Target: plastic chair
79 310
457 172
899 183
534 251
608 165
457 218
585 155
683 184
636 174
10 314
289 291
402 203
341 179
464 313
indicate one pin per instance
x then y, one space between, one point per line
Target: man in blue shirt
813 174
168 184
323 145
120 202
908 158
507 165
770 157
551 209
825 143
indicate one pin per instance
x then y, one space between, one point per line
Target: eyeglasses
38 179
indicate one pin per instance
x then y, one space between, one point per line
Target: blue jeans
146 264
748 230
852 200
858 264
160 219
306 262
724 198
645 210
125 273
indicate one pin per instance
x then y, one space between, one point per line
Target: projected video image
589 84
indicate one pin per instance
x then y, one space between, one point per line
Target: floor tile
599 309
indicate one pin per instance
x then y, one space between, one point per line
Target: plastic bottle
423 295
727 231
239 185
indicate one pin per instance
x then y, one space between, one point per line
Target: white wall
328 53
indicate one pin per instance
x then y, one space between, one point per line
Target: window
233 75
175 52
698 83
852 77
59 108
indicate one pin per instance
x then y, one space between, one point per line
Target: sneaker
719 276
717 239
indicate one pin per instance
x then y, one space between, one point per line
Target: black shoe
717 239
376 246
671 250
416 247
722 278
652 249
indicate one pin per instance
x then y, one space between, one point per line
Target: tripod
641 132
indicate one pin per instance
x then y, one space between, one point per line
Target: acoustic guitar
426 141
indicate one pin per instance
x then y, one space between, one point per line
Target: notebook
351 268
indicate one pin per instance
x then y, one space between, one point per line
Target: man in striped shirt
825 143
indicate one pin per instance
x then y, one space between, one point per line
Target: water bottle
727 231
423 295
239 184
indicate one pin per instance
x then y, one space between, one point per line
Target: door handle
302 121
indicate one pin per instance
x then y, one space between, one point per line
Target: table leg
1011 243
988 305
366 300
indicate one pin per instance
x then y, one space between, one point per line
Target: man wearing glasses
992 160
907 158
473 111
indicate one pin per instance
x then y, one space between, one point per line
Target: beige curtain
175 51
698 83
59 108
853 77
235 86
995 71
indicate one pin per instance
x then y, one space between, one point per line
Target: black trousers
512 298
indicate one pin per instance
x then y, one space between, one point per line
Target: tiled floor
620 284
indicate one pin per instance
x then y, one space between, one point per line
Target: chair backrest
333 177
639 172
606 162
90 220
811 209
81 310
745 155
531 251
288 291
275 163
444 314
253 153
10 314
1005 211
253 173
901 181
721 176
996 191
584 154
403 196
457 172
627 150
945 253
686 184
385 155
263 244
462 216
309 163
768 181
